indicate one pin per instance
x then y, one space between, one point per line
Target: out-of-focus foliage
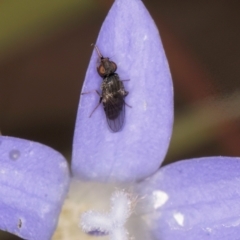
20 20
198 124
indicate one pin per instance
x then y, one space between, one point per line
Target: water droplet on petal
19 223
14 154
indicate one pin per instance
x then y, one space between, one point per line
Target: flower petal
194 199
130 38
34 180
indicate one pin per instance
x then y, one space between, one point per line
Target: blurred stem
201 122
20 20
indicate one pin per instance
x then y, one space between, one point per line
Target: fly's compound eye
101 70
113 67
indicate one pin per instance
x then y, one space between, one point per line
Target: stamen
111 223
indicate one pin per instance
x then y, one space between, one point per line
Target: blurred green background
45 47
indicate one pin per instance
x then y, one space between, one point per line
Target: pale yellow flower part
81 198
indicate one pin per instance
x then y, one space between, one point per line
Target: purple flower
34 180
130 38
192 199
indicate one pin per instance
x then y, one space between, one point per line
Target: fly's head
106 67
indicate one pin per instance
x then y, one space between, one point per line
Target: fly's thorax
111 84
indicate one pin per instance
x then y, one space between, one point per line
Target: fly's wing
115 112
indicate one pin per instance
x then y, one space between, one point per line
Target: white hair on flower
111 223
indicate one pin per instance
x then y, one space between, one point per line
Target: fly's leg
100 100
96 91
127 104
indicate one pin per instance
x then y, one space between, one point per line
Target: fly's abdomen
113 106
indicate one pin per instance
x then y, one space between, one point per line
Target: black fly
113 93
